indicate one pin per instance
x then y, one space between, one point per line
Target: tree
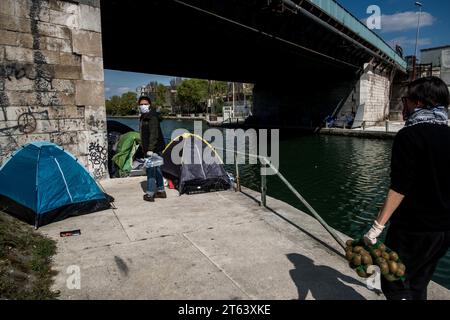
128 102
192 95
122 106
175 82
161 92
113 106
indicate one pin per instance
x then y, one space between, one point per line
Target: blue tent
41 183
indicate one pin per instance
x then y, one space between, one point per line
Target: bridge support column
370 98
304 102
51 78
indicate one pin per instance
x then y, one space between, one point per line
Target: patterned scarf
433 115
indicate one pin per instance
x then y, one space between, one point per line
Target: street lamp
420 5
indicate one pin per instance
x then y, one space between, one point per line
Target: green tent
126 148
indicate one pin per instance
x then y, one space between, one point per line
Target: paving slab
219 245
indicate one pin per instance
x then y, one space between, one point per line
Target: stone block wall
374 95
51 78
370 98
445 66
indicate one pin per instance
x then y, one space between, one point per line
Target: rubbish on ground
64 234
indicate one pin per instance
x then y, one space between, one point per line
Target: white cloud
123 89
405 21
107 89
404 41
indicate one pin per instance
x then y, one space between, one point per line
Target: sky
119 82
398 26
399 21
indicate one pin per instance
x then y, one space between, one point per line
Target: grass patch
25 261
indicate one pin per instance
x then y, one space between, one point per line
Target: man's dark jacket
152 138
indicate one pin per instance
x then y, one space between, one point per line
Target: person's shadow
323 282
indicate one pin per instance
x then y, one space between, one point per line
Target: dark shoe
161 194
149 198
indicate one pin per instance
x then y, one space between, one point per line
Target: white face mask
144 108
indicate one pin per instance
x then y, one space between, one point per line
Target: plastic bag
153 161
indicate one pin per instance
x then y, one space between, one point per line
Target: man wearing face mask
418 202
152 141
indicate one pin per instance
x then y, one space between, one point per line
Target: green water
345 179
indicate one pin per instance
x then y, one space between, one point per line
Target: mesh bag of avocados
361 257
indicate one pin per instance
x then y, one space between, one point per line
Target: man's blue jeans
155 180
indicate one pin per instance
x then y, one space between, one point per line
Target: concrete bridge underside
167 37
302 69
305 59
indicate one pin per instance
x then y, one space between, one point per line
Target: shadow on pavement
322 282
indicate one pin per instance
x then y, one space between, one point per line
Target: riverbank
217 122
219 245
25 262
370 134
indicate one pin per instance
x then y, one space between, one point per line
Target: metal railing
265 163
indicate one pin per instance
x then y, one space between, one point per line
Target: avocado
358 249
400 273
362 273
385 256
367 260
393 256
384 268
382 247
376 253
349 255
390 277
356 260
349 243
393 267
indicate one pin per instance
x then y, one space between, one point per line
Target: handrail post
263 186
238 179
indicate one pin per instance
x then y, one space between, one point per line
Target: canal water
345 179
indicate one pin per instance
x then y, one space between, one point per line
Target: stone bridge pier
51 78
305 102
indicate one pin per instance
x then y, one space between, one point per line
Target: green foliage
161 92
122 106
219 88
192 95
25 261
128 103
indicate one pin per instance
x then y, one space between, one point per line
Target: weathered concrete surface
51 71
219 245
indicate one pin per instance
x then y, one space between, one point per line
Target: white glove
370 238
149 153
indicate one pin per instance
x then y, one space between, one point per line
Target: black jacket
420 170
152 138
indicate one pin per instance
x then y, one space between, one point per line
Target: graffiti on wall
98 159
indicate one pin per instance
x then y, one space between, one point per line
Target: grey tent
193 165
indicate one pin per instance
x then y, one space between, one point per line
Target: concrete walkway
219 245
